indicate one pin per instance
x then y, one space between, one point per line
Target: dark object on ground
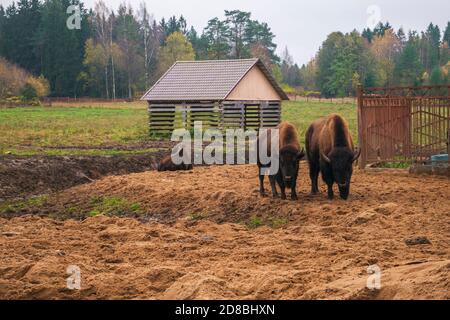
166 164
417 241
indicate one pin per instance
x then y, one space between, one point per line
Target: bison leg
262 192
327 176
294 195
314 175
273 186
282 186
330 191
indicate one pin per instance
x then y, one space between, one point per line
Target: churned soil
22 176
208 234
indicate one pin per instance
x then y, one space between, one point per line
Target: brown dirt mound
322 249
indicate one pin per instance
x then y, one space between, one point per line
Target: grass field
104 128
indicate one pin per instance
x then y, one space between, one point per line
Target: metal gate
404 123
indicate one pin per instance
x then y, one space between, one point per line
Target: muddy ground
207 233
24 176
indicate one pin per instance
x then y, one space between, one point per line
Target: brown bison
289 155
330 150
166 164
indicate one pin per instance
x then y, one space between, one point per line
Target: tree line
121 53
379 57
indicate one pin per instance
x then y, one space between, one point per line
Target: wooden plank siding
164 118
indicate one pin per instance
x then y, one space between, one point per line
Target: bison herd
329 151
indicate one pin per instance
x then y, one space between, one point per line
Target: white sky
301 25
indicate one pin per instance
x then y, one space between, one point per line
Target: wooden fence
403 123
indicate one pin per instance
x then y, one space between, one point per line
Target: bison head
341 162
289 164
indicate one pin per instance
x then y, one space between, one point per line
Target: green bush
28 93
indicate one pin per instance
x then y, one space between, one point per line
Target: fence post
362 159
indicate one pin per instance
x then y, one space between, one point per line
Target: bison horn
356 155
325 157
301 154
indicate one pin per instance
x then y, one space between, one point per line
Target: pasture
205 233
113 128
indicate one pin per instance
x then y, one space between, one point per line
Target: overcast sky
303 25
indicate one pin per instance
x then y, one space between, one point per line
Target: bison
166 164
289 155
330 150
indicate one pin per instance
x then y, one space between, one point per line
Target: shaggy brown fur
166 164
289 156
330 150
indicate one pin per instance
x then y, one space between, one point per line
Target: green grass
112 206
43 127
16 206
302 114
255 222
71 129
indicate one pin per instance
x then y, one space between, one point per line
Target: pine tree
217 34
238 24
430 43
408 69
3 20
62 49
199 43
447 34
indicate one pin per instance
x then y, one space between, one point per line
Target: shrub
14 82
28 93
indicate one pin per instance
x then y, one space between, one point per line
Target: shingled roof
205 80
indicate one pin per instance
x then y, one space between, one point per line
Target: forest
121 53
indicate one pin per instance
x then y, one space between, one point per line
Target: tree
3 20
367 34
290 70
408 68
150 40
199 43
217 34
21 22
308 75
103 35
326 58
177 48
447 34
237 22
61 49
127 33
381 28
258 35
385 50
436 77
429 47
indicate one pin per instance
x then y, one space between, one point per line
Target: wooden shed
220 93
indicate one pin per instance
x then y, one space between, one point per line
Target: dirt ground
23 176
207 234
